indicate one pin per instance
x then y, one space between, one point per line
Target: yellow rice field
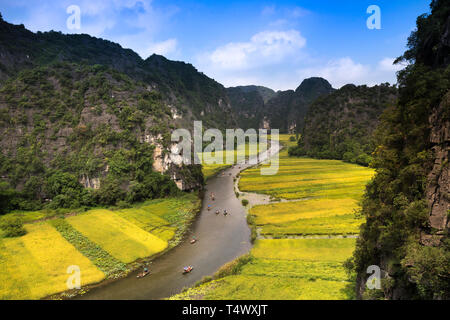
122 239
300 269
326 194
210 169
35 265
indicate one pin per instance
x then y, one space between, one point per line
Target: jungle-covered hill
407 204
257 106
83 135
191 93
340 125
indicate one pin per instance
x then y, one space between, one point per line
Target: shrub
296 151
234 267
12 226
244 202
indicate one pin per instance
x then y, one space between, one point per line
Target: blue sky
275 44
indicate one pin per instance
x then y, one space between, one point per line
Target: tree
12 226
7 194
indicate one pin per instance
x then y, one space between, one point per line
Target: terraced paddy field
284 269
103 243
285 262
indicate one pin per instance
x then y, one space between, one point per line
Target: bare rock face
168 160
266 124
438 188
88 182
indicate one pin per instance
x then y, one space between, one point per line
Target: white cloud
344 71
338 72
264 48
135 24
387 64
163 48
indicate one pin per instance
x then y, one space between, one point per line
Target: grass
117 236
35 265
327 194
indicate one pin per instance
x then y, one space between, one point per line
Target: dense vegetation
286 110
257 106
191 93
248 104
406 204
68 126
340 125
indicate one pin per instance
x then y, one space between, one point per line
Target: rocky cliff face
167 160
92 125
438 180
406 204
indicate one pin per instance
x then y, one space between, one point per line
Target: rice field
300 178
35 265
101 242
210 169
285 269
324 196
120 238
309 217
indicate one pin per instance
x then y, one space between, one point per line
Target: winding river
220 240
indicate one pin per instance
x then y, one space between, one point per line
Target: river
221 239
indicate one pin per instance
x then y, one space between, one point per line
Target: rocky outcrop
168 160
88 182
438 187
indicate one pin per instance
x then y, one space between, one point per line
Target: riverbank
304 230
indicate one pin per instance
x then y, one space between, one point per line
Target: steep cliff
247 103
66 125
406 205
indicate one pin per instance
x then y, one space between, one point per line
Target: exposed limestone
168 160
266 124
87 182
438 188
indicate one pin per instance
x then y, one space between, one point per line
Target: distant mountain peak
314 83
